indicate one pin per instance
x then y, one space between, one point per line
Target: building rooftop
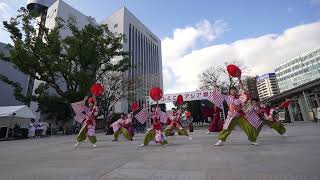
126 11
301 55
291 92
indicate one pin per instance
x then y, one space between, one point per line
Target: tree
68 65
219 77
118 87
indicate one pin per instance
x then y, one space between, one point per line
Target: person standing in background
32 128
216 123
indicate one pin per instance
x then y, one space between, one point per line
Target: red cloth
156 124
168 121
216 124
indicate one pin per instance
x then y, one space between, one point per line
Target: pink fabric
90 119
142 116
232 113
159 138
116 125
91 130
253 118
163 117
81 111
216 98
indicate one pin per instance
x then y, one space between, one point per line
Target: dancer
155 132
236 116
216 123
266 114
189 120
89 122
176 124
123 126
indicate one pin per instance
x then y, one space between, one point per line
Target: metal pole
307 102
224 116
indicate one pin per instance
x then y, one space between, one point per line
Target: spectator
39 129
32 128
17 131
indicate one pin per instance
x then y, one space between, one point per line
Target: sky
199 34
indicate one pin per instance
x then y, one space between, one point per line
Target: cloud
261 54
8 9
4 10
184 40
187 38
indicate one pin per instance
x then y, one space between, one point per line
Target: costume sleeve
116 125
243 98
96 111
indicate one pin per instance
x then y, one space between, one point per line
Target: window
115 26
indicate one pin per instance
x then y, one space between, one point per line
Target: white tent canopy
11 115
17 111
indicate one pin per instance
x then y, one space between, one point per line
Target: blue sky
247 18
203 33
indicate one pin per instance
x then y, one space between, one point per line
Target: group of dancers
250 120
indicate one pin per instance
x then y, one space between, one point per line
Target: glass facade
145 59
299 70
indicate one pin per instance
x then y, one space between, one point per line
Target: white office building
144 47
52 9
299 70
145 54
7 97
267 86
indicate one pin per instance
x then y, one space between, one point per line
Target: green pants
181 132
83 135
250 131
277 126
150 135
122 131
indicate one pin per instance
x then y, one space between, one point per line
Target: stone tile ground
296 157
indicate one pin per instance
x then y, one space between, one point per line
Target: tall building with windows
144 47
52 9
267 85
299 70
145 55
6 91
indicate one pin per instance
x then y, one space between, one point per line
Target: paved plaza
289 158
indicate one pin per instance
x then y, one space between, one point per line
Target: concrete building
143 45
267 86
7 97
250 86
51 10
305 102
145 54
299 70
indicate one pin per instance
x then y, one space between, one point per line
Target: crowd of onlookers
38 129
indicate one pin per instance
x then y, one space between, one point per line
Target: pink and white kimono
86 116
123 126
236 116
155 132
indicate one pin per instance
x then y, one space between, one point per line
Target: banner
188 96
